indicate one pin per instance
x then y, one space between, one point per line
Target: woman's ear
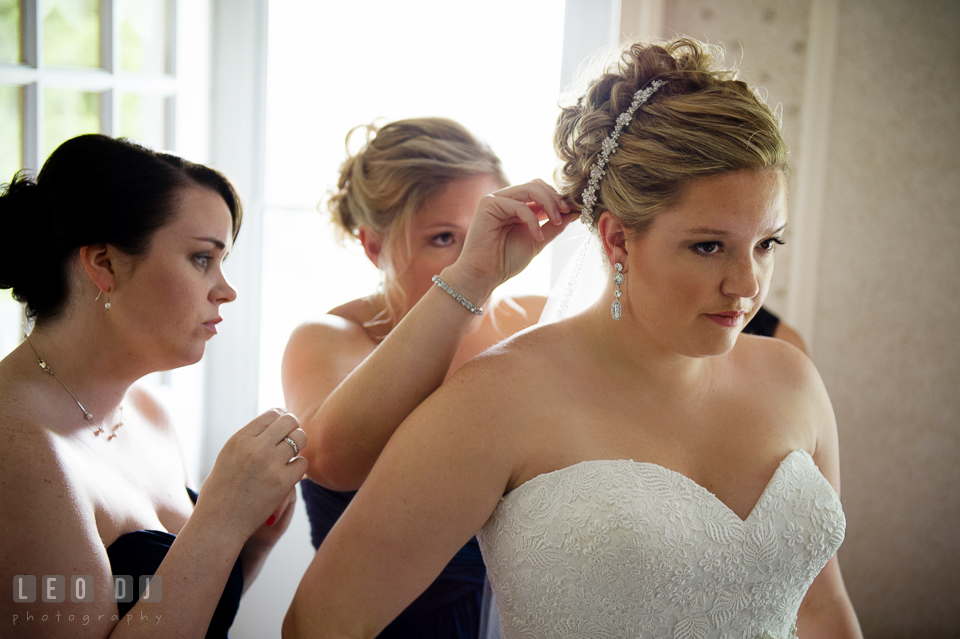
372 244
97 261
613 238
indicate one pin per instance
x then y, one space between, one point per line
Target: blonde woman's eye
443 239
707 248
771 243
203 261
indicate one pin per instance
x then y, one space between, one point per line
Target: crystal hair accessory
608 148
467 304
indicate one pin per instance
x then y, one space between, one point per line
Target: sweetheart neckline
690 481
142 530
193 497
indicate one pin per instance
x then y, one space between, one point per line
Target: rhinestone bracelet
467 304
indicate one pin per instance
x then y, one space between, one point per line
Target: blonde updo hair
701 122
399 166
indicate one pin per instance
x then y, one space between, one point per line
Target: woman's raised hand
255 474
506 234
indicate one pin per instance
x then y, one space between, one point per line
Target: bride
638 469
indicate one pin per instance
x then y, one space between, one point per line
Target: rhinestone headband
609 147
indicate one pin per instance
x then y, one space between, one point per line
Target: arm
258 546
347 430
50 527
328 383
437 481
826 610
148 401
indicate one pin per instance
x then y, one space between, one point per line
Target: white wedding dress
607 549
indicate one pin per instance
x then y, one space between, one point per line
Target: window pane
142 118
11 325
11 132
67 114
71 33
307 122
10 31
143 30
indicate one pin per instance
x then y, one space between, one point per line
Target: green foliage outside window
9 31
71 33
67 114
11 145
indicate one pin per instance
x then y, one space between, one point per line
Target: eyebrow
220 245
444 225
719 233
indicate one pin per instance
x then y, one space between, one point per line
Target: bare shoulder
777 359
34 458
49 526
31 463
319 355
790 335
332 338
502 405
43 505
785 378
513 314
503 377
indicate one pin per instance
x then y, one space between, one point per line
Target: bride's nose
741 279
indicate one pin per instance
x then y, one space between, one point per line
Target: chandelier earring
616 310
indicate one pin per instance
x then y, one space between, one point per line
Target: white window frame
107 80
238 141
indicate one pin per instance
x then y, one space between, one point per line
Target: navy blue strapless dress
763 323
140 553
448 609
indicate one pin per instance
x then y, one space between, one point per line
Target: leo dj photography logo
53 589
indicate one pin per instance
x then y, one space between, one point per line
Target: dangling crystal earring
616 311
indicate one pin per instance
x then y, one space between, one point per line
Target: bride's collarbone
620 426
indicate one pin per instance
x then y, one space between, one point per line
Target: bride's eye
442 240
771 243
707 248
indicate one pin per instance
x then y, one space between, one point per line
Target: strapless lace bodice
607 549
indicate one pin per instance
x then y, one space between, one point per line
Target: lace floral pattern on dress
606 549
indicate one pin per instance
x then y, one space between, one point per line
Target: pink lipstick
729 319
212 325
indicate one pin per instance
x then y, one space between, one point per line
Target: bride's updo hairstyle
399 166
701 122
91 189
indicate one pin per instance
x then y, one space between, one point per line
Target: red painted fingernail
271 520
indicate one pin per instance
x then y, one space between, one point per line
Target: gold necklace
86 414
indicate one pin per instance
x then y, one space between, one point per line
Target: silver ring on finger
293 445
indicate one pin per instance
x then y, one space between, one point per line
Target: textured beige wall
887 325
888 314
767 41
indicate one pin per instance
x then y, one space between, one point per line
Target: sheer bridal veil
582 279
